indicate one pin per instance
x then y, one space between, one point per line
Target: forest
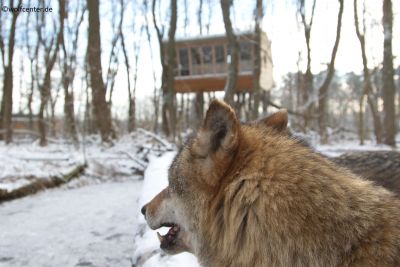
97 97
82 68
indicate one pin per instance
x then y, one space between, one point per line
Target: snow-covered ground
343 143
334 150
21 164
96 225
88 226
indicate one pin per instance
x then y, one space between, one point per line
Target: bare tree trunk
199 108
388 89
250 106
199 98
155 98
69 113
7 100
132 95
32 86
398 99
361 132
257 58
32 52
68 76
307 87
169 98
180 113
210 13
53 102
132 103
132 106
323 90
230 85
367 91
187 111
160 33
200 16
45 86
100 107
113 60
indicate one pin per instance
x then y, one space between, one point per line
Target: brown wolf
381 167
245 195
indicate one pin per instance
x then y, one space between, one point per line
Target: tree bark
131 95
257 59
68 76
132 107
199 109
33 51
361 132
132 103
199 98
113 60
323 90
7 100
367 91
307 87
101 110
46 84
167 55
230 85
169 98
155 98
388 89
160 33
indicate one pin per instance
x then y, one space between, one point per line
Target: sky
281 24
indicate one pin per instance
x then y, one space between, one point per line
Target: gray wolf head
195 177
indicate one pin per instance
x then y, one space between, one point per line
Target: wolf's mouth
169 239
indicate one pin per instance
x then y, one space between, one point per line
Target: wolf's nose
143 210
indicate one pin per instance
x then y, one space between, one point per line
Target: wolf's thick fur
382 167
245 195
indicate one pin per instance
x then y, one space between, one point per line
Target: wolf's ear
277 121
220 130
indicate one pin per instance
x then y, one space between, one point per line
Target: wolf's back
382 167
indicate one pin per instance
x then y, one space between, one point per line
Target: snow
88 226
21 164
341 143
338 149
95 225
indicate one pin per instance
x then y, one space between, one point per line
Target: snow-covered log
41 184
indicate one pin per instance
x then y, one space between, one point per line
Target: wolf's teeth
160 237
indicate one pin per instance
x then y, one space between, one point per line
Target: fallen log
40 184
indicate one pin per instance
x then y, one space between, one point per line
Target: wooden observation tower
202 63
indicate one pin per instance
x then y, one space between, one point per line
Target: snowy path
89 226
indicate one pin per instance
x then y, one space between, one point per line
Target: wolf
247 195
381 167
